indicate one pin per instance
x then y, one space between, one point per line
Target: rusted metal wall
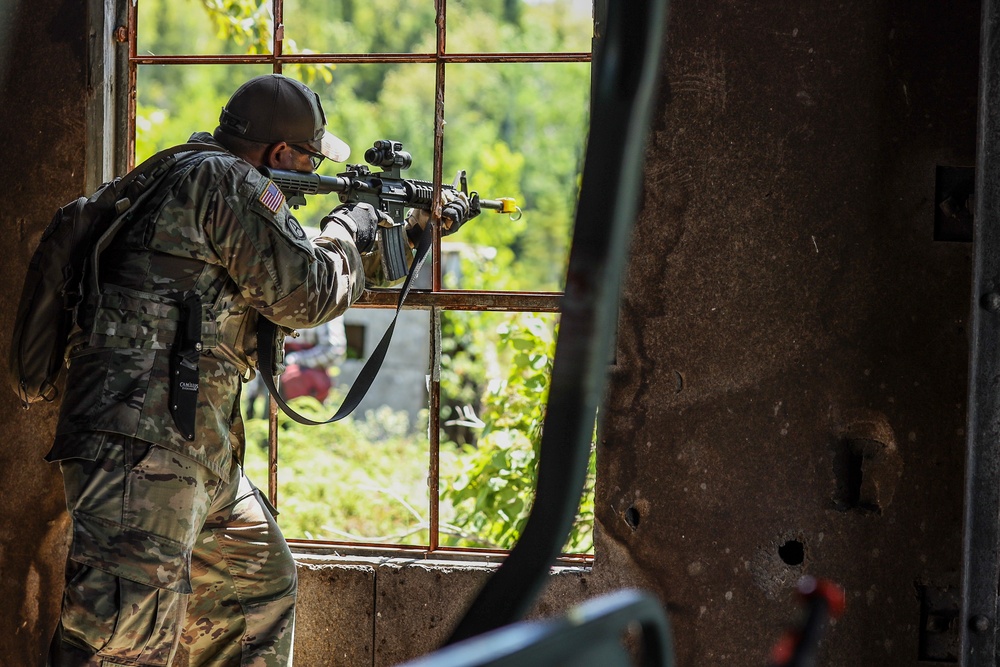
790 383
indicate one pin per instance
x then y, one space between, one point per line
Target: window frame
114 61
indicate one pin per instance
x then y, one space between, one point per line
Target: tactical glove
361 219
458 209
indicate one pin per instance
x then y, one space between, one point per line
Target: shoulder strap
267 332
138 173
155 159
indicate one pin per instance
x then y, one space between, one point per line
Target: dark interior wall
792 352
790 383
42 111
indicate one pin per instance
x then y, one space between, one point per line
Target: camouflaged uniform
173 550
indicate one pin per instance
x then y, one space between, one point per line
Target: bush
359 479
495 485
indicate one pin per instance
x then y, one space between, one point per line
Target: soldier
176 557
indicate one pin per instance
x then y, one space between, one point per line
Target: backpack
67 253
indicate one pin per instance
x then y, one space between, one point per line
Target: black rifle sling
267 332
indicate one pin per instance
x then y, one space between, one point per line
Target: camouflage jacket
216 228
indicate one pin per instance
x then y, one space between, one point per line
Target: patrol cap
273 108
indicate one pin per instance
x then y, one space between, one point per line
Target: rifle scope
388 154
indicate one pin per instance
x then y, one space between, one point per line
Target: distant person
311 362
309 359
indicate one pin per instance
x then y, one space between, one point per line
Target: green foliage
492 492
362 478
245 23
362 26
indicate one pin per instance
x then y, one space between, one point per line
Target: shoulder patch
272 198
294 228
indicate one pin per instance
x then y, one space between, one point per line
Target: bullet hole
632 517
792 552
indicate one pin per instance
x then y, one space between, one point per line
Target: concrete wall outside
402 381
787 320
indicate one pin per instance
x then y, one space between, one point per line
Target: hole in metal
792 552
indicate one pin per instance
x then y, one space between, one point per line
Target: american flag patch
272 198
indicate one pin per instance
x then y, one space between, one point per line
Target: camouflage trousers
170 565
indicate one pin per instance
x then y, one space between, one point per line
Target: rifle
387 191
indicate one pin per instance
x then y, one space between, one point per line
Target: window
438 457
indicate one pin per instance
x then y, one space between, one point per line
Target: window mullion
277 41
278 33
272 450
439 83
434 416
133 38
434 434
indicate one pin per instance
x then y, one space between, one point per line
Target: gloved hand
458 209
361 219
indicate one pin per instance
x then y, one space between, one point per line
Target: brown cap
272 108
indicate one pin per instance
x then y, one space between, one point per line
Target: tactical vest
193 297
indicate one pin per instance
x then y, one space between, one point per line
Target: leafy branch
493 491
250 24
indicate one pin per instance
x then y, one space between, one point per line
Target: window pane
174 101
519 130
495 374
365 103
363 478
478 26
171 28
356 26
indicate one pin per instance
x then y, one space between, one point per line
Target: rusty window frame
436 299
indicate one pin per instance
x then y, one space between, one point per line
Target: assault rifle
387 191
